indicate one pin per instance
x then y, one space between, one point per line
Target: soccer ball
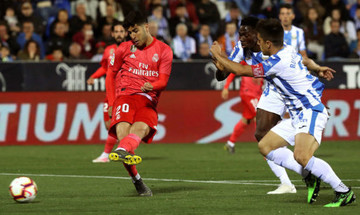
23 189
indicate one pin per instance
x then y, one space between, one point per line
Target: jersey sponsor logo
155 58
143 72
112 59
133 48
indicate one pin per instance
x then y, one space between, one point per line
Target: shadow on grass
159 190
145 158
173 189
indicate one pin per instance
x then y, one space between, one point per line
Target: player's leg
143 128
266 120
127 143
305 146
122 119
238 130
141 114
110 140
249 112
141 188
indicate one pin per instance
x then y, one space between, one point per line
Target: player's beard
118 42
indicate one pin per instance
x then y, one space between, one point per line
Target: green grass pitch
185 179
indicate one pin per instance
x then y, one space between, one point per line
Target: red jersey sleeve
166 61
99 72
164 69
114 67
229 79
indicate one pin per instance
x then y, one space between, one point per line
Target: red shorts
249 106
134 108
105 110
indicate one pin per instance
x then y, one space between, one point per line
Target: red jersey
108 52
249 86
134 67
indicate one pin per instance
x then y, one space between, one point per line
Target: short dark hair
180 5
250 21
4 23
231 22
156 6
271 30
115 23
287 6
134 18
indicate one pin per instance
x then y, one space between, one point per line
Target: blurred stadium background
46 104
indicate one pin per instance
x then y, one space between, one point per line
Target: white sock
285 157
280 172
136 177
119 148
104 155
342 188
323 171
231 144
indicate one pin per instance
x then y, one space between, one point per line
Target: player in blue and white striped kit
302 95
293 35
249 51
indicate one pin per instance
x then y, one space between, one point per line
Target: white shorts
271 101
307 121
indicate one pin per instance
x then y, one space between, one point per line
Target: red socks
110 143
131 168
130 142
238 130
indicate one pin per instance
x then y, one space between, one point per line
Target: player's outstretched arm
322 71
110 88
97 74
227 65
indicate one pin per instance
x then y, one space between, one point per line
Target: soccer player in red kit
138 72
250 92
119 34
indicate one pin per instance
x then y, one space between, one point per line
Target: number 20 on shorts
121 108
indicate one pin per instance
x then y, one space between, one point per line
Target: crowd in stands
58 30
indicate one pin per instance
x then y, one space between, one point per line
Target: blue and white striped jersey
237 55
295 37
299 89
251 58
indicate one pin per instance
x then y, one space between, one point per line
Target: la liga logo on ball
23 189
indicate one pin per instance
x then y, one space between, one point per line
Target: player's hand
147 87
110 111
90 81
218 65
215 49
326 72
225 94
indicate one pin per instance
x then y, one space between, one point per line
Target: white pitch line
239 182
